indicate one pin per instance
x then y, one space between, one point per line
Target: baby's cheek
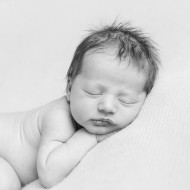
127 118
78 114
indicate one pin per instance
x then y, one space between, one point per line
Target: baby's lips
103 122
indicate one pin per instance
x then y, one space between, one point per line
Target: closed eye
93 93
126 102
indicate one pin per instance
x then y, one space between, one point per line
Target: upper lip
105 120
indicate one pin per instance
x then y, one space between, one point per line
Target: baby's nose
107 104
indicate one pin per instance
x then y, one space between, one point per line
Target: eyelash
93 93
98 94
126 103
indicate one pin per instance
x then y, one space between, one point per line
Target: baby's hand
100 138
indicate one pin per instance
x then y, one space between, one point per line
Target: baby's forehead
108 65
112 53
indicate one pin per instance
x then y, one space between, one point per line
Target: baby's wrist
92 136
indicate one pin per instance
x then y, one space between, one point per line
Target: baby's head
112 71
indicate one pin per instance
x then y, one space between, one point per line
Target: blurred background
38 39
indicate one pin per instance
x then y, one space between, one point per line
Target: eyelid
93 92
129 102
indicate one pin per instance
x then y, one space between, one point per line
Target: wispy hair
130 43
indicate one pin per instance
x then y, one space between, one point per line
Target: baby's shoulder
56 118
55 110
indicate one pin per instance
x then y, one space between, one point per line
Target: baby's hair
130 44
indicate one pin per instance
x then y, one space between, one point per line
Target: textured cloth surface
153 153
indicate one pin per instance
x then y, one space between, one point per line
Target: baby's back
19 142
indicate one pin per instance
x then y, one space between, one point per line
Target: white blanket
153 153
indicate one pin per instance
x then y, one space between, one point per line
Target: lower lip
101 123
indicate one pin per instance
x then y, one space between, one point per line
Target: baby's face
107 94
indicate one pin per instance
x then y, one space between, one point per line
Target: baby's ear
68 89
68 96
68 92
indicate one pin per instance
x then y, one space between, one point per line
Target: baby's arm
61 148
